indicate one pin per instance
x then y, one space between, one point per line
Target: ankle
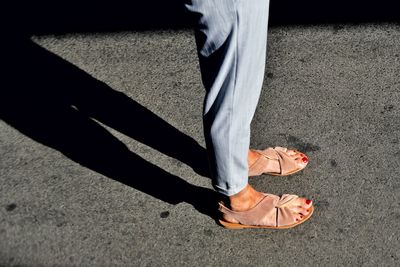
245 199
252 157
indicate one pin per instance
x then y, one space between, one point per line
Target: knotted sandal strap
271 211
284 213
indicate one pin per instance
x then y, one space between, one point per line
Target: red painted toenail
308 201
297 219
308 210
305 160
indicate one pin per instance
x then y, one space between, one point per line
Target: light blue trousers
231 39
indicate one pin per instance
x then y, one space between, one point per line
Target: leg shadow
52 102
47 77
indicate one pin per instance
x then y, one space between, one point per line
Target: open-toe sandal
287 164
271 212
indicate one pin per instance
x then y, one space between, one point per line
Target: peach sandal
287 164
271 212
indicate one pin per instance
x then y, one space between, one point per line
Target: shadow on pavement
41 17
52 102
338 11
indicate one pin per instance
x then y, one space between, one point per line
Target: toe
302 161
303 203
298 156
300 211
301 207
304 211
299 217
292 152
307 203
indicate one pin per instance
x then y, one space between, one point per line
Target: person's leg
232 66
231 40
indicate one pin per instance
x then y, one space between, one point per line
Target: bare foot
249 198
273 165
245 199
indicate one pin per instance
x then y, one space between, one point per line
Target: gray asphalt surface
110 171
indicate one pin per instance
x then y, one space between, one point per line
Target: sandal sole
290 173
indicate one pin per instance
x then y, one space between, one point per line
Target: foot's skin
273 165
249 197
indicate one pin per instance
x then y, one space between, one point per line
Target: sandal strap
257 167
284 213
270 211
286 163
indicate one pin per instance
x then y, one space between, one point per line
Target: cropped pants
231 37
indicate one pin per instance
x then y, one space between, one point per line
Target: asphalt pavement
102 159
